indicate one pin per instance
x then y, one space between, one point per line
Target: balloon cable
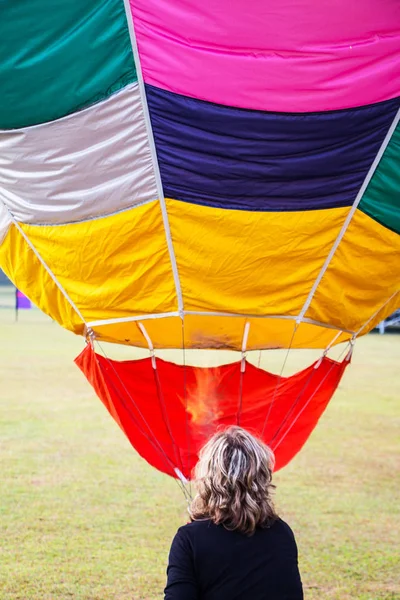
152 440
290 412
186 401
278 383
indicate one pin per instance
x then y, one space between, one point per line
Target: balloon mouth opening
168 410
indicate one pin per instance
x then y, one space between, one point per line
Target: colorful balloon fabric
168 413
181 174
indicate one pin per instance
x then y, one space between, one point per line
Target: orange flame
203 399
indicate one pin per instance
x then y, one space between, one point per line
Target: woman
235 547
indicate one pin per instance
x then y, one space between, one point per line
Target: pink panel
278 55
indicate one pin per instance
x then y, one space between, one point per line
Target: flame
203 399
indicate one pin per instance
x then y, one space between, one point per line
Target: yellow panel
219 333
110 267
250 262
363 274
230 261
26 271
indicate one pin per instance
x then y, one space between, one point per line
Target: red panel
169 412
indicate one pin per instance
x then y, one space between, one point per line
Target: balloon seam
44 264
213 314
93 218
70 116
349 217
357 333
156 168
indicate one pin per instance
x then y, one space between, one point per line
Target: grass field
83 517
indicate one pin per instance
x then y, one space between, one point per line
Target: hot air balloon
214 176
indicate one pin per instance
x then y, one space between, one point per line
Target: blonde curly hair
233 480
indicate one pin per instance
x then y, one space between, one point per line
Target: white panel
92 163
5 221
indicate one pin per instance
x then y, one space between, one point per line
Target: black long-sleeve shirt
208 562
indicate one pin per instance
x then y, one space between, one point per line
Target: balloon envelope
220 176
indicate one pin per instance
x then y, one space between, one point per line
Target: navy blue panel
251 160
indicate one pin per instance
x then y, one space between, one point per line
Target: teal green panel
381 200
59 56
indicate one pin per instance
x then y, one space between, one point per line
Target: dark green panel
59 56
381 200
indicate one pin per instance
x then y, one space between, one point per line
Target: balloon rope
301 391
165 416
279 379
292 408
186 401
376 313
152 440
299 396
160 396
242 370
240 403
275 446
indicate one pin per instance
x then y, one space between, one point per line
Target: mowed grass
82 516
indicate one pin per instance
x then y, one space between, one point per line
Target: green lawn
83 517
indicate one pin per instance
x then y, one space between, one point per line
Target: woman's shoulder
192 527
193 530
281 525
195 527
203 535
283 531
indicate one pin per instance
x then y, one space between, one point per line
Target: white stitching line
115 321
133 318
45 265
71 115
353 209
376 313
88 219
157 175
